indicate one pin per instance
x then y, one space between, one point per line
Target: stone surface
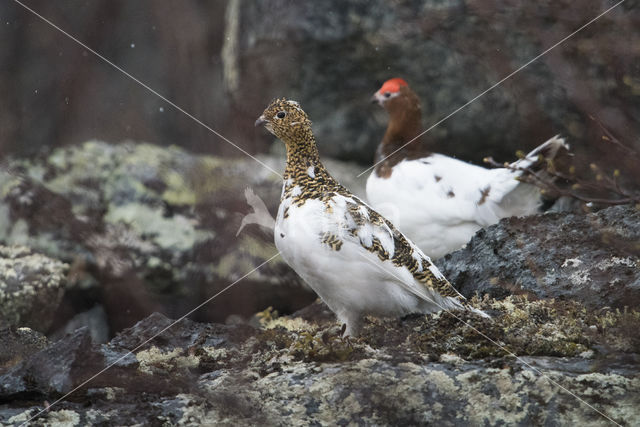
31 287
331 57
95 319
298 370
18 344
593 258
51 371
147 228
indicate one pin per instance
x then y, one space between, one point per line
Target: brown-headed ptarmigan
437 201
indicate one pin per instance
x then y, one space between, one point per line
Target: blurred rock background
223 61
151 227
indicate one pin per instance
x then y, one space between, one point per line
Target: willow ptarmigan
351 256
437 201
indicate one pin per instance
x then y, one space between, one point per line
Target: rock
434 369
331 57
31 287
593 258
94 319
53 370
141 224
18 344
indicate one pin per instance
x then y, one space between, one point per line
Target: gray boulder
332 56
573 366
18 344
224 61
592 258
31 288
51 371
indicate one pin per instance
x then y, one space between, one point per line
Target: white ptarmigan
437 201
351 256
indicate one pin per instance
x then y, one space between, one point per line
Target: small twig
603 182
564 192
535 178
608 136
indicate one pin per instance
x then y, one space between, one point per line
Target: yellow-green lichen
518 326
266 316
177 232
154 360
290 324
178 191
322 346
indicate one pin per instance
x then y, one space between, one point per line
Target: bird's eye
281 115
387 94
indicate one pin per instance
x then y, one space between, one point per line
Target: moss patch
518 326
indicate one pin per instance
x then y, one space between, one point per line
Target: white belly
352 281
342 278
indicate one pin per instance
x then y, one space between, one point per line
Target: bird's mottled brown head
286 120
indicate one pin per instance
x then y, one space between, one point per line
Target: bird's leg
344 337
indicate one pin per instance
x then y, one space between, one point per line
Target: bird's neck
402 139
303 166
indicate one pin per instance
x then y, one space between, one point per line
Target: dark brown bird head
286 120
394 95
401 138
402 104
389 91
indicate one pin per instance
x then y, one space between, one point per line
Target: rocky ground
574 366
114 235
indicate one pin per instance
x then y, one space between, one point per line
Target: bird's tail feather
463 304
536 159
477 311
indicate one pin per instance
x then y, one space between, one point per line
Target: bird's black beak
374 100
261 120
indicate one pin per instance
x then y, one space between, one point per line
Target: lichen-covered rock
153 228
31 287
16 344
592 258
574 366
